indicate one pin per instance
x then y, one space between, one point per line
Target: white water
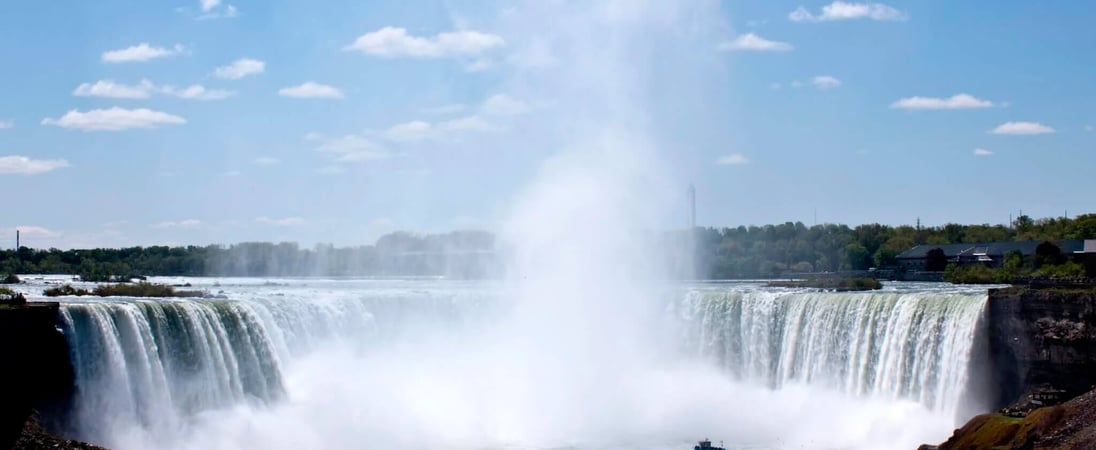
385 364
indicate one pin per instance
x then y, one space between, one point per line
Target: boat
707 445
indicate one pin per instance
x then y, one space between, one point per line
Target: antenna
16 239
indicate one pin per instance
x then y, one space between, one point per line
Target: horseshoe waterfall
370 364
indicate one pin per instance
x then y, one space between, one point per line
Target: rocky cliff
35 369
1038 338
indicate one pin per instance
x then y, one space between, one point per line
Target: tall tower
16 239
692 207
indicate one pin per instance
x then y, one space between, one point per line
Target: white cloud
733 159
187 223
751 42
283 222
467 124
797 84
114 119
415 130
825 82
197 92
5 124
445 109
267 161
350 148
140 53
240 68
957 101
396 42
839 10
502 104
23 165
1022 128
211 10
310 89
110 89
145 89
982 152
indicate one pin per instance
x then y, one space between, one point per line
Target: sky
206 121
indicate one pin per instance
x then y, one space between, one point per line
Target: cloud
796 84
751 42
240 68
110 89
140 53
504 105
467 124
396 42
415 130
825 82
775 86
114 119
5 124
145 89
310 89
839 10
23 165
1022 128
957 101
444 109
266 161
982 152
211 10
283 222
734 159
350 148
197 92
187 223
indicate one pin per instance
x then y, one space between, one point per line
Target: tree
936 260
1048 254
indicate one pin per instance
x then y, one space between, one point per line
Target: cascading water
893 345
430 359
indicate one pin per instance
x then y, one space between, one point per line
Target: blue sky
216 122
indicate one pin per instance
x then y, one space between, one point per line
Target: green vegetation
10 278
837 284
769 251
1048 262
65 291
141 289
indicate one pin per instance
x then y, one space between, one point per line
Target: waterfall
912 345
154 367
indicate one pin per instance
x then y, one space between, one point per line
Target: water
386 364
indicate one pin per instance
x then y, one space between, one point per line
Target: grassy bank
837 284
142 289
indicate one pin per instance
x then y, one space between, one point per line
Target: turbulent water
382 364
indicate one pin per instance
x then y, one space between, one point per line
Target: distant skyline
217 121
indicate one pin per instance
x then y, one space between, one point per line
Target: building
991 254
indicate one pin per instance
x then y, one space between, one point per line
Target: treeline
772 250
463 254
720 253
